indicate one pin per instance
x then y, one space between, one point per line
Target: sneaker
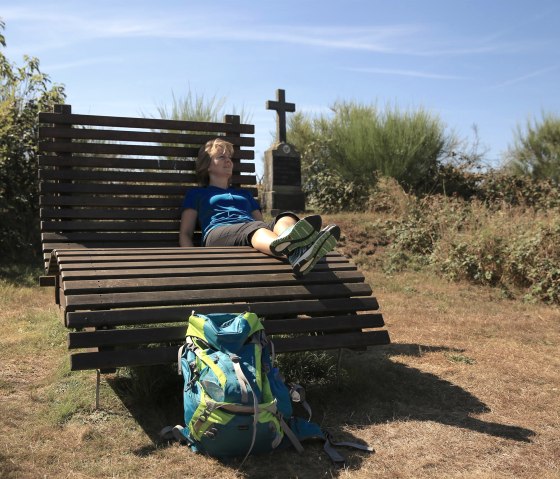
304 259
303 233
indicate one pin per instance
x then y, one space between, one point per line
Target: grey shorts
240 234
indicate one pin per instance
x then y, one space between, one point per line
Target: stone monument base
284 198
282 179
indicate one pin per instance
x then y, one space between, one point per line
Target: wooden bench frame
110 195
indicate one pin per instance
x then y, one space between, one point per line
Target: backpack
235 402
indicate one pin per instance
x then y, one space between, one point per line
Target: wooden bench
110 196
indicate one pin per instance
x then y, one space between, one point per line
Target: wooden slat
109 201
332 341
108 189
99 286
120 189
323 324
121 337
70 276
197 256
104 239
146 240
204 262
125 337
268 309
147 123
124 358
221 295
97 176
142 253
129 150
165 355
138 136
109 214
160 164
110 225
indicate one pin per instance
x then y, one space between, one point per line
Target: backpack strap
290 435
334 455
297 394
170 433
179 356
241 378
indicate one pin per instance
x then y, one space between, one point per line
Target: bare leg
262 238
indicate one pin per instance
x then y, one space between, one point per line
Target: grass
469 387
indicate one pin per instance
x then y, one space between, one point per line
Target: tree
24 91
536 149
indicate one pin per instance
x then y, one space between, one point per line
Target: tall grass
198 107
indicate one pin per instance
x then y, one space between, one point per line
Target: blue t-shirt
218 207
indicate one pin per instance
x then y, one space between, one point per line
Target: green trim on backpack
206 360
254 321
211 414
196 327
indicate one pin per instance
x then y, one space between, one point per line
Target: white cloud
527 76
62 29
82 63
408 73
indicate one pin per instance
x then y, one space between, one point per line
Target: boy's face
220 163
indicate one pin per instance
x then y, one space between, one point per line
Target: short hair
217 145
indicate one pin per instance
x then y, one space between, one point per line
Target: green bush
327 190
24 92
536 149
501 187
516 249
361 142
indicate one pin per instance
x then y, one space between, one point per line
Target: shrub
361 142
327 190
536 149
514 248
501 187
24 92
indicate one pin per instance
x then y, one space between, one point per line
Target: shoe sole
325 243
303 233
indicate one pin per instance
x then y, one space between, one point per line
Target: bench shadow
400 392
393 392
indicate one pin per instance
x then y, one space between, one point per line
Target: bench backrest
118 182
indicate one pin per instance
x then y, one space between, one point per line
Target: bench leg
338 363
97 386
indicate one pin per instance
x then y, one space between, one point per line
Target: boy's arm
188 224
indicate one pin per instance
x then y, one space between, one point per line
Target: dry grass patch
468 388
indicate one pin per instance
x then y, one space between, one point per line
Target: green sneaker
303 233
304 259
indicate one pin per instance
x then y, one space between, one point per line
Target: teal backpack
235 402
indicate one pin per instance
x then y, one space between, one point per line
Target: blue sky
493 63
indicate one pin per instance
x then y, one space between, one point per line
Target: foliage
502 187
536 149
356 143
511 247
326 189
308 367
24 91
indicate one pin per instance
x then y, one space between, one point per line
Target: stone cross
281 108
